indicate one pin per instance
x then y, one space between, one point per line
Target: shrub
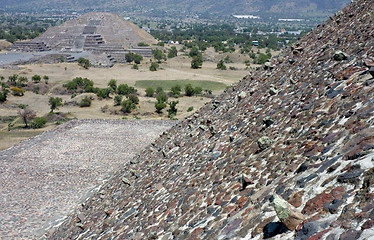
138 58
159 90
22 81
117 100
124 89
142 44
36 78
197 61
85 102
159 106
173 52
197 90
161 97
38 122
27 115
172 111
154 66
149 92
135 66
3 96
112 84
189 90
175 91
85 63
221 65
127 106
103 92
133 98
190 109
17 91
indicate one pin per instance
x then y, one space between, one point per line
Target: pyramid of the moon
95 31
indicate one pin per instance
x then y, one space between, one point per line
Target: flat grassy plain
172 72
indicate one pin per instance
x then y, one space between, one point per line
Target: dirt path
42 179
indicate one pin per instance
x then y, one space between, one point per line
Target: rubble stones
264 142
286 213
339 56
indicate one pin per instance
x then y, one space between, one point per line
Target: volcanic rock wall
303 129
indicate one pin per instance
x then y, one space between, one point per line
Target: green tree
54 103
197 61
221 65
133 98
113 84
36 78
85 63
137 58
129 57
104 92
3 95
149 92
172 111
117 100
189 90
173 52
135 66
22 81
194 52
175 91
159 106
158 55
13 79
127 106
153 66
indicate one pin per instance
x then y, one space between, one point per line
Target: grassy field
167 84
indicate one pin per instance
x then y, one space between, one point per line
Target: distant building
246 16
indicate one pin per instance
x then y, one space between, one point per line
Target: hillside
302 129
172 7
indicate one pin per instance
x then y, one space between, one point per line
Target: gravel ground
43 178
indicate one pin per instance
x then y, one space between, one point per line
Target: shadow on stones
274 228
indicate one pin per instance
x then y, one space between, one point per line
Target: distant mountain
289 8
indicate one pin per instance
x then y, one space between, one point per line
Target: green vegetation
85 63
149 92
133 57
117 100
36 78
153 66
172 111
197 61
142 44
124 89
54 103
130 103
38 122
173 52
221 65
17 91
104 92
175 91
158 55
190 109
85 102
168 84
113 84
79 84
3 96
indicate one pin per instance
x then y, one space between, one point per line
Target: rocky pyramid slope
95 30
303 129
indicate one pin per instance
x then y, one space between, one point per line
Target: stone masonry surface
302 128
43 178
